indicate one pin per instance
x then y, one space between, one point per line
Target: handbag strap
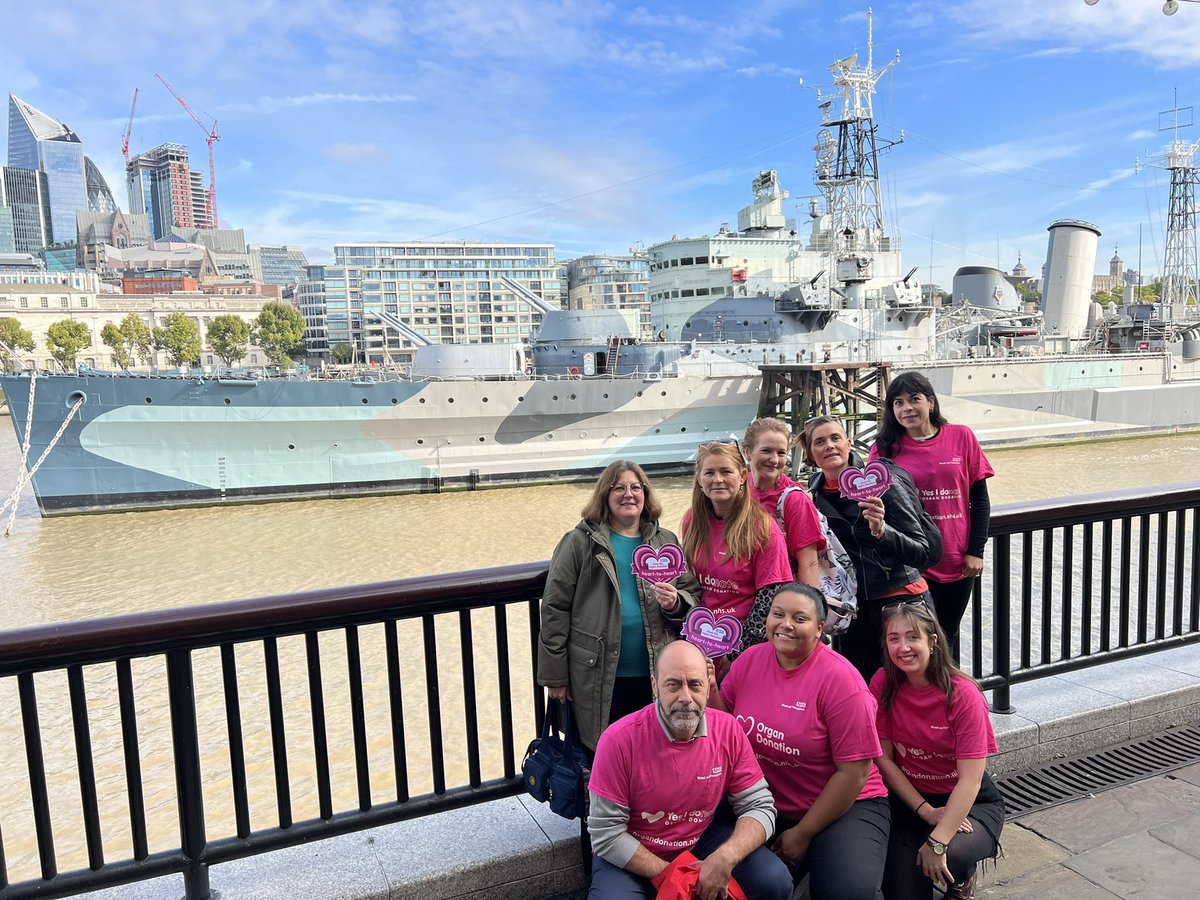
572 732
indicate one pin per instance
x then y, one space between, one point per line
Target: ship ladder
26 474
610 358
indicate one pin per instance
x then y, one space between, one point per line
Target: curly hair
597 511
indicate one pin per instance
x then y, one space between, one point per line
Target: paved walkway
1140 840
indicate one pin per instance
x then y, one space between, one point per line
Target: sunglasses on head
901 604
727 440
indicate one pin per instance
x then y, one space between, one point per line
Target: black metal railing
286 719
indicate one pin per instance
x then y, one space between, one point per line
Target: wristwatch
938 847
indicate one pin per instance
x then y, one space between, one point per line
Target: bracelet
919 805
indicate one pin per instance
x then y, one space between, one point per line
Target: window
254 359
83 302
24 303
45 303
62 301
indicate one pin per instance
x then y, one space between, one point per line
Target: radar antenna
1180 266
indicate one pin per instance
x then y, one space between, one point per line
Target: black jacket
910 544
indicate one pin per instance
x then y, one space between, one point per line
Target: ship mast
848 154
1180 268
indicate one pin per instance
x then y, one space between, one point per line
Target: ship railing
287 719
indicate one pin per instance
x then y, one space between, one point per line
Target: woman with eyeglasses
768 447
936 734
601 624
890 539
733 546
951 472
811 722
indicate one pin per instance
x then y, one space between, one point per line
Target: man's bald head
676 648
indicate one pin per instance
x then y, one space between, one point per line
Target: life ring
573 371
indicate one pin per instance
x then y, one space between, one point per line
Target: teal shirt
635 658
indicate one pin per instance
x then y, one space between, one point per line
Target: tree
342 353
65 339
279 329
229 337
139 341
180 337
14 337
111 335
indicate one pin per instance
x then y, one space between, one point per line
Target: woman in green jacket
601 624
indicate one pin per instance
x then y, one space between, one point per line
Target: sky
599 125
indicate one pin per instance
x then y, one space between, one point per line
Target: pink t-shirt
943 469
671 788
728 586
800 523
927 742
802 721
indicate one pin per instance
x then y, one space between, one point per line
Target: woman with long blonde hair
733 546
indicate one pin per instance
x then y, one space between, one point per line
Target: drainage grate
1070 779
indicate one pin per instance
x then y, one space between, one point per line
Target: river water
62 569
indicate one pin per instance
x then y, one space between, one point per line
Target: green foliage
279 330
180 337
14 336
111 335
139 341
229 337
342 353
65 339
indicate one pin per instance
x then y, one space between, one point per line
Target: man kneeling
660 776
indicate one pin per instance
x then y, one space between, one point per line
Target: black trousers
846 860
904 880
950 602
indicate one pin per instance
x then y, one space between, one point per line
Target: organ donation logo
866 483
659 565
714 635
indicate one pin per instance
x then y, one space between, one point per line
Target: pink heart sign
715 636
866 483
660 565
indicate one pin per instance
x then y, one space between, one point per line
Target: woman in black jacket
890 539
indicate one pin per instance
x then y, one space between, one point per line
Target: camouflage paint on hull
152 442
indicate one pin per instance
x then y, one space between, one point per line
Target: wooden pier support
854 392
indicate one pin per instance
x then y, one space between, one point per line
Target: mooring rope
26 474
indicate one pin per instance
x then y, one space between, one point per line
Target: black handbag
555 768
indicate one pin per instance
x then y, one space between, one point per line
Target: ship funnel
1070 266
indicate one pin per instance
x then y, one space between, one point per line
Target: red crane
129 129
210 133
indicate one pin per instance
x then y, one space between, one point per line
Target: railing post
1002 625
190 798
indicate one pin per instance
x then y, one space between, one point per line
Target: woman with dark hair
811 721
890 539
733 546
933 721
601 624
951 472
768 447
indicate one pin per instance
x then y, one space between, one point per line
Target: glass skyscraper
38 142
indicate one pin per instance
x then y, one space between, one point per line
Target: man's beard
682 716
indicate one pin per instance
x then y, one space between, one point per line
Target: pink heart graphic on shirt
659 565
747 722
866 483
715 636
653 817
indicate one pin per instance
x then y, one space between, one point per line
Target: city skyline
594 127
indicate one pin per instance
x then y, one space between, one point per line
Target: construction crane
129 129
210 133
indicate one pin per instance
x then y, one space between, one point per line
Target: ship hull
158 442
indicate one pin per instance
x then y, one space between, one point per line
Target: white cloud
275 104
770 70
1140 135
355 153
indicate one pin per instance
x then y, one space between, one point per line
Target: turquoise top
635 658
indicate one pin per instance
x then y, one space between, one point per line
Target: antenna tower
848 153
1180 266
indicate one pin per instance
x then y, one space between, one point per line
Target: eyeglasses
620 489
